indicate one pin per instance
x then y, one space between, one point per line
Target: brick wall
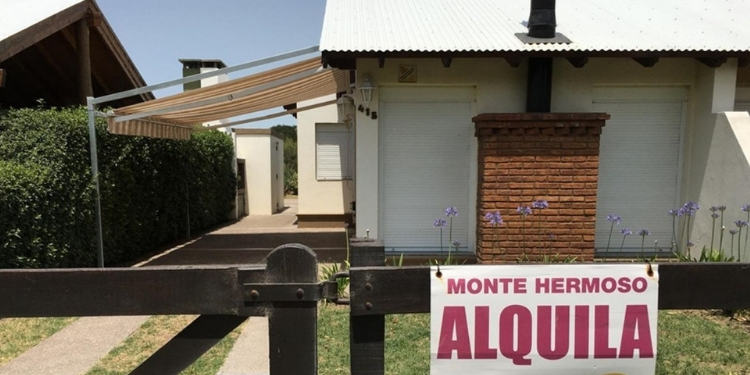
531 156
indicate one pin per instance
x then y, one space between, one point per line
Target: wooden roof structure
61 51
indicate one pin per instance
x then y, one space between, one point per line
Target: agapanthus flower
626 231
456 244
740 223
524 210
745 207
643 232
715 215
714 208
689 208
733 231
690 244
494 218
722 208
612 218
541 204
673 212
439 222
451 211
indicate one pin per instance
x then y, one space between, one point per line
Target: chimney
197 66
539 84
542 20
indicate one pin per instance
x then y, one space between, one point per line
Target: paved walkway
78 347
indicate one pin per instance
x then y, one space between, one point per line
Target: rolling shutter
333 151
426 135
639 164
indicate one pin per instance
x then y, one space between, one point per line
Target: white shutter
332 151
742 106
639 164
425 159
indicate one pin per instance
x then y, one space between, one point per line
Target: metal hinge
295 292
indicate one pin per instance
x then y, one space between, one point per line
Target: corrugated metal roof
491 25
18 15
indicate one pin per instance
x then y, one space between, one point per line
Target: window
333 151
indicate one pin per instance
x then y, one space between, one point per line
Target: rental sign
527 319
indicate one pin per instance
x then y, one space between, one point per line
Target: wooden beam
743 62
2 77
646 62
33 34
578 61
381 61
85 87
712 62
514 61
446 61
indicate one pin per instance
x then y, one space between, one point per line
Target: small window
333 151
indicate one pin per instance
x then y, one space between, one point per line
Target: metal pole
95 176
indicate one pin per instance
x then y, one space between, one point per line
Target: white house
262 154
616 108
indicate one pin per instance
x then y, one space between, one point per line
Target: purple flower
714 208
643 232
438 223
715 215
451 211
733 231
722 208
689 209
540 204
456 244
740 223
626 231
494 218
673 212
524 210
690 244
612 218
746 207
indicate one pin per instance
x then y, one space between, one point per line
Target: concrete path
76 348
249 355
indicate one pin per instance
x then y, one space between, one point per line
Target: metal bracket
294 292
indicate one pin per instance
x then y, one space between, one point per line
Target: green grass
688 343
18 335
153 334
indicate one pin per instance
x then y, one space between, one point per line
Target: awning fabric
236 97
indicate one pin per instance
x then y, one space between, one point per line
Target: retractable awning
178 115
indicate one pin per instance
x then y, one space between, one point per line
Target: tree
289 135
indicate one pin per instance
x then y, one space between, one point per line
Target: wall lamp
366 89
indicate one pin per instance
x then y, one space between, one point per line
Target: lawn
690 342
154 333
18 335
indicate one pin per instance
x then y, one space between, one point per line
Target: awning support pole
95 177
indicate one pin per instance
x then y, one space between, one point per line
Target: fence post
292 326
366 333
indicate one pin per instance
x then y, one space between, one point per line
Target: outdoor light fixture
366 88
345 106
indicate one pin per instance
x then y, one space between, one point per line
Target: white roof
491 25
18 15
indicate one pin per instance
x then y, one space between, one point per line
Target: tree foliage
289 134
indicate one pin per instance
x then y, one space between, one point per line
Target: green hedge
46 192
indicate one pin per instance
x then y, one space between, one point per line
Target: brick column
531 156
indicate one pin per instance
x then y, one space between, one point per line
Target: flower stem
622 244
687 244
739 238
611 228
674 234
523 232
721 234
643 242
713 229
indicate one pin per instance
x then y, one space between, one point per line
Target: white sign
545 319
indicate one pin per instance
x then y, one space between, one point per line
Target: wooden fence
286 289
377 291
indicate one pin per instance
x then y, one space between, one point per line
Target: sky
156 33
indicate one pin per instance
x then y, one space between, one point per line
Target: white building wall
317 197
502 88
256 150
277 173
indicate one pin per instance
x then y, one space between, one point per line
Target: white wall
205 82
256 150
502 88
318 197
727 175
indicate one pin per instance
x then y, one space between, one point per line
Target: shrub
47 205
